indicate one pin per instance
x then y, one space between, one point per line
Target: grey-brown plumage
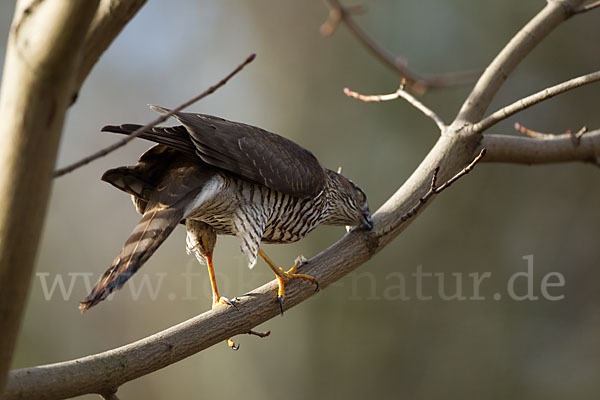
224 178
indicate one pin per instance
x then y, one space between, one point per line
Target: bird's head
349 204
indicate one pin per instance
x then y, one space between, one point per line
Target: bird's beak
367 222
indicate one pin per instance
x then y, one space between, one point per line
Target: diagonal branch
419 83
535 98
106 371
554 13
109 149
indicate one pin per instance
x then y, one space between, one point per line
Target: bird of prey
220 177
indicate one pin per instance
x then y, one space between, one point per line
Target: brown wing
177 187
141 179
243 150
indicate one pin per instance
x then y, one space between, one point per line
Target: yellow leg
216 299
283 277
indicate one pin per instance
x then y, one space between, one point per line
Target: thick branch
558 148
107 371
535 98
511 55
42 58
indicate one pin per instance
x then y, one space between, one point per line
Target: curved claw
229 302
317 286
280 298
232 345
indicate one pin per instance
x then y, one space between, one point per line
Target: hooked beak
367 222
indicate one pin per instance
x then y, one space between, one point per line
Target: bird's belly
221 225
279 233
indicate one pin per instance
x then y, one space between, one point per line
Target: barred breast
235 206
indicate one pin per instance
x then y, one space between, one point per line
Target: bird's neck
335 214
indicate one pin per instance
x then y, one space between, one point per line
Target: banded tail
154 227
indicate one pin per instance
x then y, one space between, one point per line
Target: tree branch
42 58
535 98
554 149
412 100
106 371
511 55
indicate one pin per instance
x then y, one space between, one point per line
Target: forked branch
397 94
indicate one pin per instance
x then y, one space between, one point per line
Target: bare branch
162 118
575 137
42 57
393 96
552 149
259 334
417 82
554 13
434 189
535 98
587 7
531 133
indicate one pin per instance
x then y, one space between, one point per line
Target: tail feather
154 227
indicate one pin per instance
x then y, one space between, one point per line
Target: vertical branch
42 60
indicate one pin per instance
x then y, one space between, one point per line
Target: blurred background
363 337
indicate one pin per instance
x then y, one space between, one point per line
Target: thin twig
393 96
434 189
575 136
587 7
259 334
535 98
531 133
162 118
417 82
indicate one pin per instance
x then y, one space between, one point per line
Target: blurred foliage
351 340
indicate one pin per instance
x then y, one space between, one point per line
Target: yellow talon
283 277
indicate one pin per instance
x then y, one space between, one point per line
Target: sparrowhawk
220 177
